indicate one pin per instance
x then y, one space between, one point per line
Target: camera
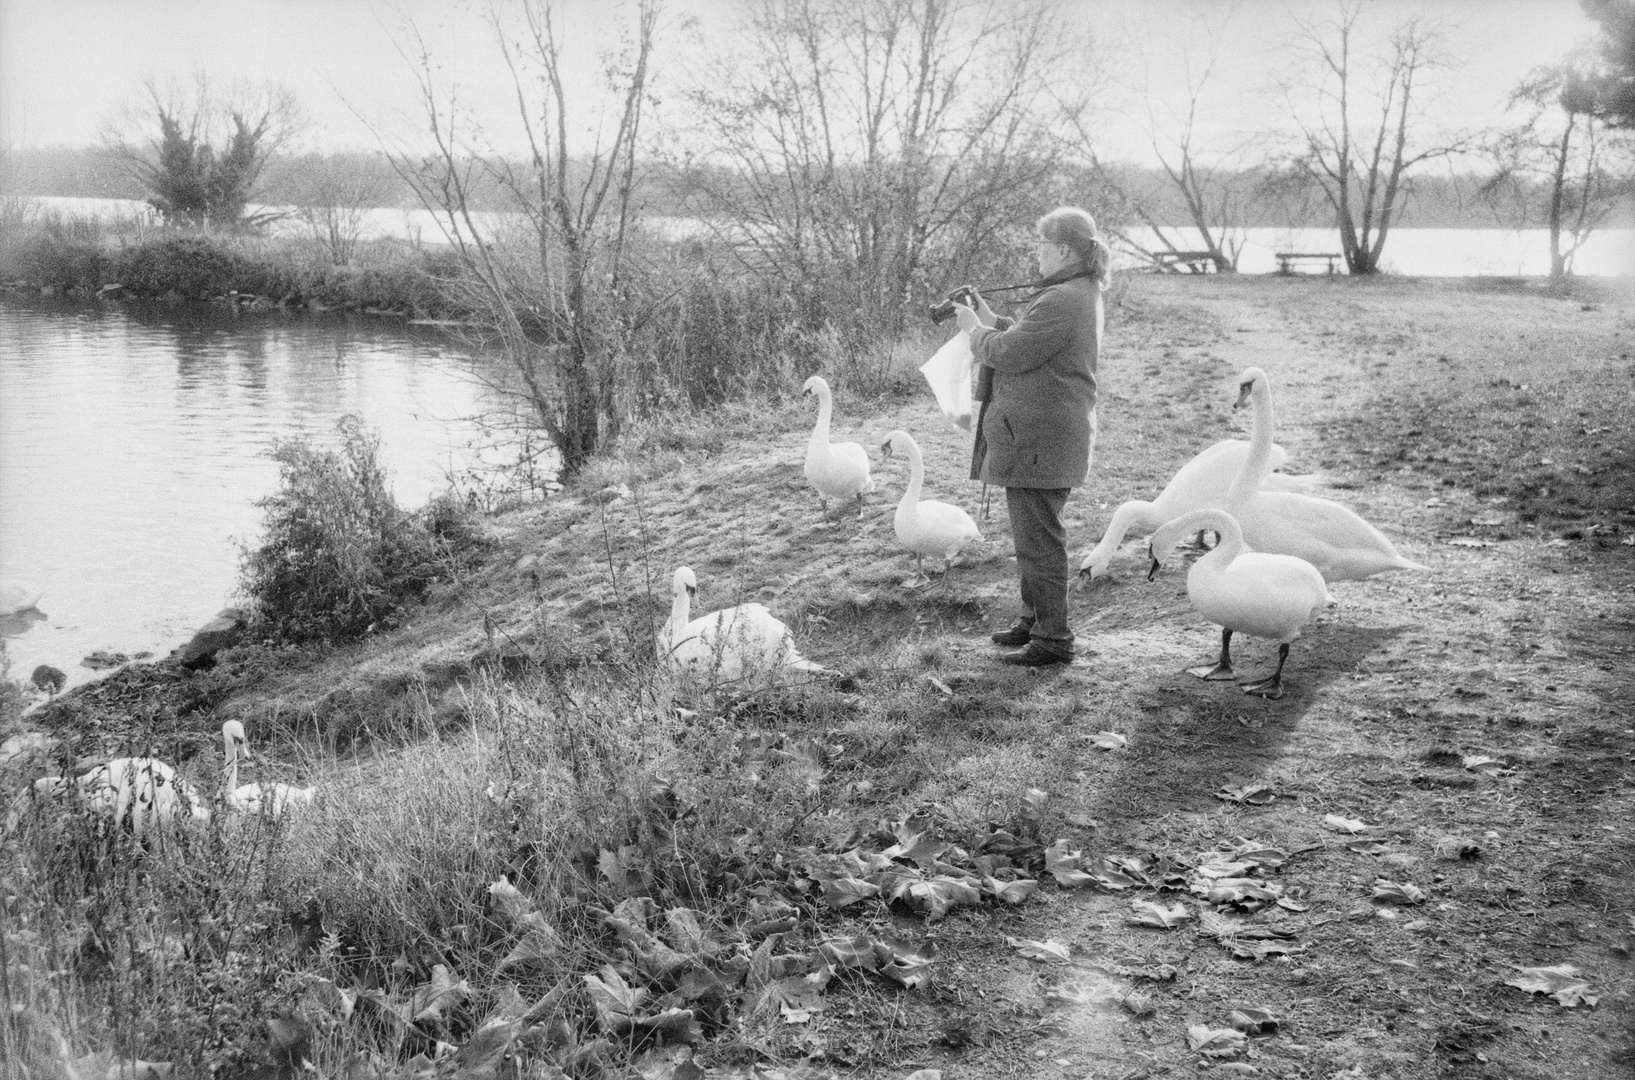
944 311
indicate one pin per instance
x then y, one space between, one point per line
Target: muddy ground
1475 724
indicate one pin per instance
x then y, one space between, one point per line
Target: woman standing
1037 427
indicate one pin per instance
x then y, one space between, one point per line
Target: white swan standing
836 470
1247 592
926 526
137 793
1341 545
276 799
17 596
728 644
1200 484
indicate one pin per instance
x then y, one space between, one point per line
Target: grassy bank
530 842
85 257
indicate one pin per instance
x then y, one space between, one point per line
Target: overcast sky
66 66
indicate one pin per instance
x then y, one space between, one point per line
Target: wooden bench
1196 262
1286 260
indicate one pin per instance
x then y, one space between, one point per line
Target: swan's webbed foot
1270 687
1223 666
1221 670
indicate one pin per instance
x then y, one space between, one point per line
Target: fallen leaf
430 999
1483 764
1394 892
1344 824
1367 847
940 685
1253 1021
480 1057
1164 918
1080 993
616 1001
1562 982
1109 740
1215 1042
1051 951
1012 892
841 891
1253 794
1062 863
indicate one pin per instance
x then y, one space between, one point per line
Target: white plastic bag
949 373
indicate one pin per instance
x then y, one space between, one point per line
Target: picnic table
1196 262
1286 260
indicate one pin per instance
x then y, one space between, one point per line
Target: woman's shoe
1017 636
1037 654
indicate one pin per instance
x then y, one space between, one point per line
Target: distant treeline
1265 197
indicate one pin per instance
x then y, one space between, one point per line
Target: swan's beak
692 591
885 448
1244 392
1152 571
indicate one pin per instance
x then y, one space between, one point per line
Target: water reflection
134 446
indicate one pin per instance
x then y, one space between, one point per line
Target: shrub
338 558
190 265
65 262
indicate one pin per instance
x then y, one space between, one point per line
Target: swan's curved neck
1231 537
820 433
916 476
680 608
1258 464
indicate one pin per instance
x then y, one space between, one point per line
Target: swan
1201 483
926 526
1269 596
727 644
252 798
836 470
135 792
1341 545
17 596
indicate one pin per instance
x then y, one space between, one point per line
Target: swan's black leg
1223 666
1271 687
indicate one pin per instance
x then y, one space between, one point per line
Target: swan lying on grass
728 644
1202 483
1246 592
836 470
927 526
136 793
1341 545
275 799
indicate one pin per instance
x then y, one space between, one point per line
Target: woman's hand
967 316
983 311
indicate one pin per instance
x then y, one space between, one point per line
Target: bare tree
1562 159
333 198
199 151
1360 134
549 277
862 151
1216 199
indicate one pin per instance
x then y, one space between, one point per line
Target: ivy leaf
1215 1042
1253 794
1393 892
1344 824
1562 982
1164 918
1053 952
1109 740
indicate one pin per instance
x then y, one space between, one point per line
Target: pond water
134 445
